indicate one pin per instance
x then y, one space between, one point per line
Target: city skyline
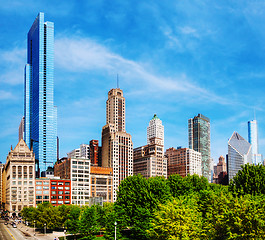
168 64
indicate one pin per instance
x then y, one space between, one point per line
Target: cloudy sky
174 58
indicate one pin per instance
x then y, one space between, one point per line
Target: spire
155 117
118 80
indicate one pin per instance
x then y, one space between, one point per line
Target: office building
87 181
19 174
42 190
155 130
183 161
253 140
101 183
94 153
40 129
220 171
117 147
239 153
1 185
149 160
82 152
21 129
54 190
199 140
78 171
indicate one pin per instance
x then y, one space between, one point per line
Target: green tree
186 185
249 180
137 199
72 221
178 219
89 222
229 217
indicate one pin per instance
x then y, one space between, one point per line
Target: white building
81 152
80 180
155 130
239 153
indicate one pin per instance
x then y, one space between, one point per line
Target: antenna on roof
254 114
117 80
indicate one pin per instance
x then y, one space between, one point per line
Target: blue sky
174 58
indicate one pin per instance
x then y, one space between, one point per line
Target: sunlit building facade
239 153
199 140
40 127
253 140
117 146
183 161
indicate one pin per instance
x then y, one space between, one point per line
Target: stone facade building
19 175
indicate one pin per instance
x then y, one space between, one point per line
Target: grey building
199 140
239 153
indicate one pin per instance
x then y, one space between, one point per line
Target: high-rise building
239 153
155 130
117 147
220 171
1 185
94 152
199 140
253 140
183 161
149 160
39 110
21 129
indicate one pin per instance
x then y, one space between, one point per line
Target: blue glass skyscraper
253 139
39 110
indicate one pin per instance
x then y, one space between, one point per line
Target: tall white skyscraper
253 140
239 153
155 130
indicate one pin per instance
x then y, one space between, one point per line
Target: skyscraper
117 146
39 110
149 160
155 130
239 153
199 140
253 140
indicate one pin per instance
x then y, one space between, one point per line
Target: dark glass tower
39 110
199 140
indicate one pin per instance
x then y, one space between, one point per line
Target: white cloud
12 63
189 31
4 95
84 54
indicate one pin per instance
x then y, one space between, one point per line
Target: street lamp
34 227
44 228
115 230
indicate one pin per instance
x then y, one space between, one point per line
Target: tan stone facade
101 183
1 185
149 160
183 161
19 172
117 147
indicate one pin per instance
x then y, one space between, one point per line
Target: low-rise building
19 175
86 181
54 190
101 183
